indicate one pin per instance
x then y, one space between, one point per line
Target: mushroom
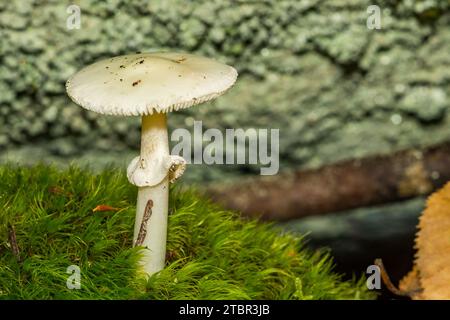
151 85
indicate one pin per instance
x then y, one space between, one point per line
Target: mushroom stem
150 228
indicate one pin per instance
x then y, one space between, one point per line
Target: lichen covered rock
337 89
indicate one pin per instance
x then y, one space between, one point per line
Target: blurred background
336 89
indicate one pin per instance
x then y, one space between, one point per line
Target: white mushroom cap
144 83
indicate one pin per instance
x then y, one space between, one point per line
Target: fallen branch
342 186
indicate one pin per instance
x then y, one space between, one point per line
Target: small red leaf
104 207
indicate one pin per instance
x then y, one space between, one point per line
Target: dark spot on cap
138 52
179 76
136 83
204 77
107 67
180 60
121 66
121 79
141 62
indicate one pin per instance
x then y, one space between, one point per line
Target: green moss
212 253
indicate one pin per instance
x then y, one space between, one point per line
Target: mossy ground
212 253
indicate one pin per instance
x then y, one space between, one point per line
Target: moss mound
212 253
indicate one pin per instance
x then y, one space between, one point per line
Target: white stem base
152 171
154 255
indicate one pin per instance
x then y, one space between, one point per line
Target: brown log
341 186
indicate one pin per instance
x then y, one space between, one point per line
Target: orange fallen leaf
104 207
430 276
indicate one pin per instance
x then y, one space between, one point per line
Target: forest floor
48 231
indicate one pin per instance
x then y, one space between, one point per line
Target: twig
387 280
338 187
143 229
13 242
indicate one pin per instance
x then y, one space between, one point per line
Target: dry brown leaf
432 265
433 246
